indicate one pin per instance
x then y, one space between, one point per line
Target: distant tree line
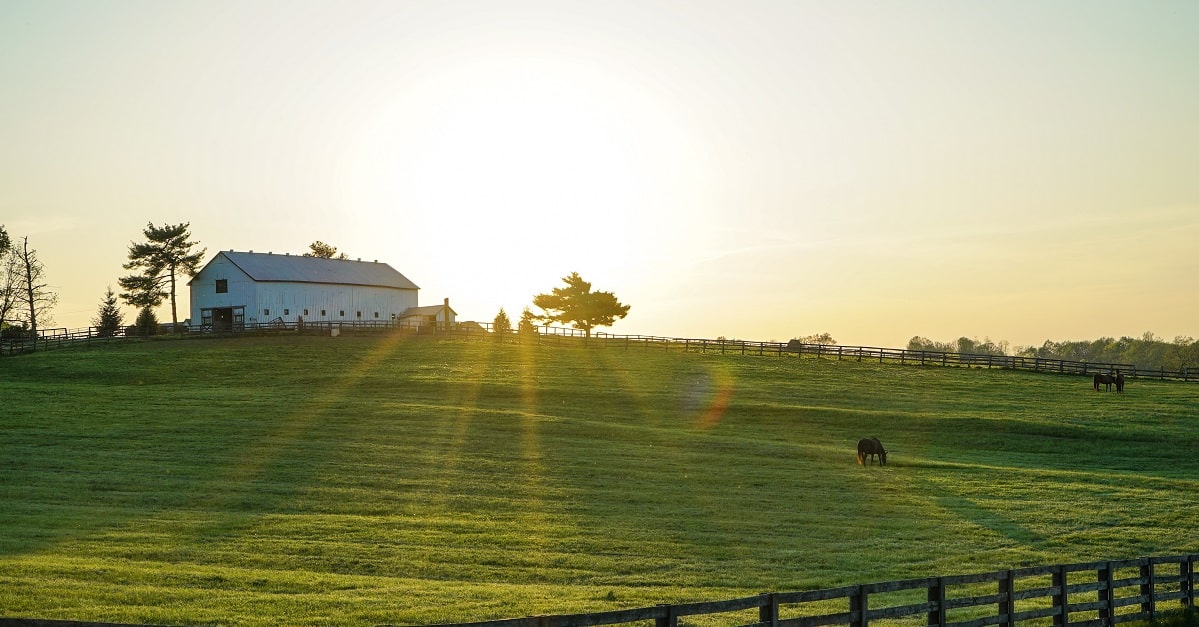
1147 351
972 346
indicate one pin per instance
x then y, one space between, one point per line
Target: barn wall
289 300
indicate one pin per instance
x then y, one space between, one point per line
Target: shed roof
427 310
300 269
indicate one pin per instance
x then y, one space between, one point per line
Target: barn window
266 312
341 312
376 314
322 313
287 312
222 286
305 312
359 314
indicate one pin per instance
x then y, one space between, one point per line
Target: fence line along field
52 339
382 480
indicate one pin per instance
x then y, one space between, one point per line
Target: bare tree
33 294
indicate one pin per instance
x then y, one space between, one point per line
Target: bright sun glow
531 160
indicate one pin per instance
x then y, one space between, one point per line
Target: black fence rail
50 339
61 338
1094 594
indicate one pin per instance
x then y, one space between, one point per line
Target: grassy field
360 481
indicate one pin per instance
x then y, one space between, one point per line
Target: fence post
1061 617
669 619
768 612
1190 580
1148 590
1107 613
859 607
936 597
1007 601
1186 583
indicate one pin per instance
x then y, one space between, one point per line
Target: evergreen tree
578 305
164 256
109 319
527 326
147 322
501 325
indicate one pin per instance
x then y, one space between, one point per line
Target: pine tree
578 305
501 325
527 327
147 322
164 256
109 319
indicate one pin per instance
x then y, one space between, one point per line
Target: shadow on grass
988 519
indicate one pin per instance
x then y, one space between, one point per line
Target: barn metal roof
301 269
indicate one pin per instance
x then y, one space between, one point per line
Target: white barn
239 288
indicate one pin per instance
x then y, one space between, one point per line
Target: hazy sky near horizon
1020 170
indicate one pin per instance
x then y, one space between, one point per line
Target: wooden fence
1095 594
59 338
871 353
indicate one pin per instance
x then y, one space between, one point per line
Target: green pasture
363 481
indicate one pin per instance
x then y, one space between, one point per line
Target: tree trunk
29 289
174 318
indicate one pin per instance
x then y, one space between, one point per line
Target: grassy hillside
358 481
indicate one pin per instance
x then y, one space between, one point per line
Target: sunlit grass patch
366 481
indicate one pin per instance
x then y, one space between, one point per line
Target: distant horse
1106 379
1119 382
870 447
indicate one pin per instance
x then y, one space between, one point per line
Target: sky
1017 171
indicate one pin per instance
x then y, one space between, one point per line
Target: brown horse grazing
1106 379
870 447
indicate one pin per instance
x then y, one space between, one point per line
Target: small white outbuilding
235 289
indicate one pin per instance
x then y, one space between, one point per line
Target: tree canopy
324 251
8 278
164 255
577 305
